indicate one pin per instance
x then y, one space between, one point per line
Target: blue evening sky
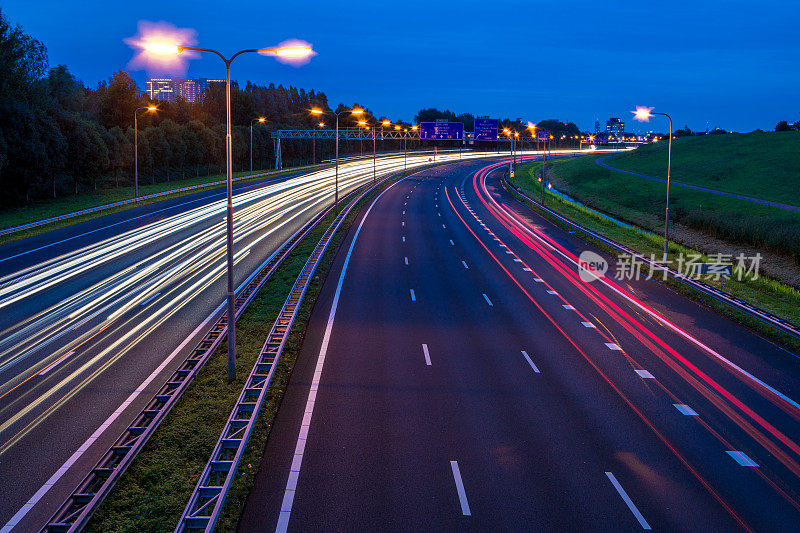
732 63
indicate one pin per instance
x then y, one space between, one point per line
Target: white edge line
462 494
291 483
527 358
427 354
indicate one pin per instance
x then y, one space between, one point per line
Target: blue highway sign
441 130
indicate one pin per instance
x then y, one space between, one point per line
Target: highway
95 316
457 374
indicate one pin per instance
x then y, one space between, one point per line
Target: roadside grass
641 202
778 298
44 209
154 491
762 165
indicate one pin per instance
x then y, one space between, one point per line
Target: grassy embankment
766 166
44 209
154 491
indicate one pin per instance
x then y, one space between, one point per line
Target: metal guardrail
76 511
718 294
205 504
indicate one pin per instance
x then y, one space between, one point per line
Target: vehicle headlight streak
177 273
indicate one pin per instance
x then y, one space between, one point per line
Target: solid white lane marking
588 325
413 296
291 484
427 355
742 458
52 366
612 346
488 301
685 409
451 242
628 501
527 358
568 307
465 264
644 374
406 258
462 494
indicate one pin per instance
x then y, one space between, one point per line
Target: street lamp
314 144
151 109
336 181
260 120
643 114
285 52
363 123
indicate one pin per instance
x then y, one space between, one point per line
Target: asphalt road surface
95 316
457 374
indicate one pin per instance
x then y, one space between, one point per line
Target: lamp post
261 120
643 114
288 52
363 124
314 145
151 108
336 181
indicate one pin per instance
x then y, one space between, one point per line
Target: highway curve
458 375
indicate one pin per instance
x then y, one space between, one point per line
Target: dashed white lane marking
538 280
742 458
568 307
628 501
403 224
427 354
552 292
406 258
509 252
404 212
488 301
444 226
404 238
612 346
439 214
60 360
685 409
451 242
465 264
517 260
527 358
526 269
462 494
413 296
588 325
644 374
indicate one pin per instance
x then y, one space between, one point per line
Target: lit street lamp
314 144
151 108
363 123
261 120
643 114
286 52
336 181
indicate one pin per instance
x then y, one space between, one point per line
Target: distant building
167 89
616 126
597 125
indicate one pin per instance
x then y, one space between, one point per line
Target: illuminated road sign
486 129
453 131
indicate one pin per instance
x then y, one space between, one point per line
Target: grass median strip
773 296
155 489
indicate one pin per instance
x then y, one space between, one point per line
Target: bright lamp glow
397 128
162 48
642 114
414 128
152 108
261 119
321 124
385 122
362 123
357 111
316 111
294 52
